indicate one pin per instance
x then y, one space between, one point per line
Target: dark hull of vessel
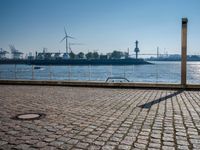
78 62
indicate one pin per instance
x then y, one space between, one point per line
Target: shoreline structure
129 61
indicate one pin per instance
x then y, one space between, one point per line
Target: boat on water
37 67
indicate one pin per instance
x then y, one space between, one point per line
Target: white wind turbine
66 38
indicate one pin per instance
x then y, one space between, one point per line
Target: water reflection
168 72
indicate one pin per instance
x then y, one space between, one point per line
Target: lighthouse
136 49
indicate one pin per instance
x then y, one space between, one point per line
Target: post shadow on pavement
149 104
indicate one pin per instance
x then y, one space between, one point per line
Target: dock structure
99 118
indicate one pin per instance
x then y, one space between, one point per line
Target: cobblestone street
99 118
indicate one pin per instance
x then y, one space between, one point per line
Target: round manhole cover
29 116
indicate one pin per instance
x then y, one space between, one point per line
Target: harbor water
158 72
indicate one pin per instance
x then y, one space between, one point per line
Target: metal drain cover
29 116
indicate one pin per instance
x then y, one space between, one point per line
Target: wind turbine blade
65 31
77 44
63 39
70 37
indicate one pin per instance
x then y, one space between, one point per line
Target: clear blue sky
103 25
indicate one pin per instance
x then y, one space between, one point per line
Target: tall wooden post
184 52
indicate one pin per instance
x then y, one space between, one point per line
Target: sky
100 25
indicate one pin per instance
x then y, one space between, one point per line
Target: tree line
95 55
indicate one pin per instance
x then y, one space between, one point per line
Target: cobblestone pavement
99 118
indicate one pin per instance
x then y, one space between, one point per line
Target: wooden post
184 52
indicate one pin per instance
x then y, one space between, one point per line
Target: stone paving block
65 146
3 143
40 144
72 141
82 145
22 146
48 139
168 148
94 147
139 145
7 147
108 147
155 145
124 147
48 148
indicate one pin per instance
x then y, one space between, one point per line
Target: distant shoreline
129 61
188 59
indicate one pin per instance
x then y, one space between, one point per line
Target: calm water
168 72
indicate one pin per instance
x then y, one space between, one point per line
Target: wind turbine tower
157 52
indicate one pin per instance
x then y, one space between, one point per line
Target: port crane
74 44
15 53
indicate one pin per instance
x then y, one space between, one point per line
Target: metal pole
0 72
69 72
32 72
67 47
15 72
111 70
156 73
184 52
132 74
89 72
50 74
124 72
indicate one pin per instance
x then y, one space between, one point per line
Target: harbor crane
74 44
3 53
15 53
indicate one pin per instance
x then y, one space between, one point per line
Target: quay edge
99 84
